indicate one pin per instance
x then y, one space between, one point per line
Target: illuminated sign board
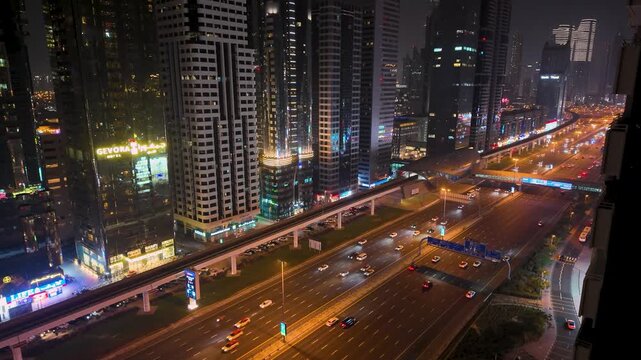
193 285
283 328
132 148
35 290
167 243
549 183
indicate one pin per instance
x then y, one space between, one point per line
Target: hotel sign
132 148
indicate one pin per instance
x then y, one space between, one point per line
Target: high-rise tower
207 74
105 62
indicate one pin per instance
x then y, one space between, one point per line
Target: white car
343 274
323 267
477 263
462 264
332 321
393 235
444 222
436 259
417 232
369 272
362 242
398 248
265 304
242 322
461 206
234 334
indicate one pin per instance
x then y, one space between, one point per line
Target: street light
445 200
282 286
509 267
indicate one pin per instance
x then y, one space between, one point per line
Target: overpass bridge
16 332
519 178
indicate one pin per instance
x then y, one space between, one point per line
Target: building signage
283 328
33 291
193 285
132 148
549 183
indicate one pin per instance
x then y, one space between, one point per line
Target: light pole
509 268
445 191
516 161
282 287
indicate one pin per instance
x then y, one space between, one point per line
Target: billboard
313 244
192 284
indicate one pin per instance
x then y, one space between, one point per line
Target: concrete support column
234 267
296 239
339 220
372 207
16 352
146 305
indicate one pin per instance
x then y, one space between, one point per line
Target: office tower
414 78
378 88
19 151
562 34
582 46
608 74
469 49
105 63
336 84
284 100
513 84
529 83
555 63
208 80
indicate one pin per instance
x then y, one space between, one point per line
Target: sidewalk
578 274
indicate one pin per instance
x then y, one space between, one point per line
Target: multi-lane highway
305 291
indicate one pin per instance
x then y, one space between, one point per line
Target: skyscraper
105 62
337 28
581 47
513 83
19 148
469 49
285 102
208 80
555 63
562 34
378 88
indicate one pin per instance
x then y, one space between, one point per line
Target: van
361 256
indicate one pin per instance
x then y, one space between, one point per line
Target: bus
584 234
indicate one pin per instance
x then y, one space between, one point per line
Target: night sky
533 18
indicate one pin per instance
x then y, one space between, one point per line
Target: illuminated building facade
337 28
284 98
379 63
19 148
208 81
469 54
109 103
553 78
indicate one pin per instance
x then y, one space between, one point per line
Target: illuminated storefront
30 292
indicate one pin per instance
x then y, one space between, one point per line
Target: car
470 294
416 232
332 321
353 255
569 323
540 223
427 285
366 267
435 218
234 334
497 190
444 222
462 264
398 248
242 322
343 274
362 242
460 207
436 259
368 272
266 303
430 231
348 322
477 263
412 267
393 235
323 267
230 346
413 226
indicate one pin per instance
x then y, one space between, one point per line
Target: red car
411 267
570 324
427 284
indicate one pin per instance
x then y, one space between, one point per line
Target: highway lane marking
302 302
257 336
294 315
361 344
410 330
366 327
402 310
387 290
350 339
275 326
310 305
380 357
386 337
190 349
396 343
333 352
201 327
390 320
341 334
156 358
295 355
324 296
370 313
286 311
196 354
399 326
344 357
379 316
371 349
375 332
261 318
177 339
296 298
183 344
362 307
207 332
249 332
213 336
374 299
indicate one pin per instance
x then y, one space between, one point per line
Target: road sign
313 244
283 328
